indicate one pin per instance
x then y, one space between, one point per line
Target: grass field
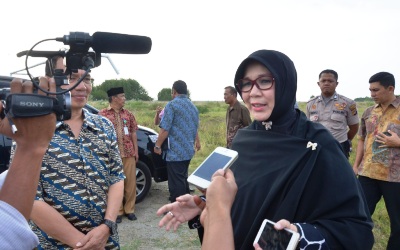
212 134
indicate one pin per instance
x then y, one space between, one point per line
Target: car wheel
143 181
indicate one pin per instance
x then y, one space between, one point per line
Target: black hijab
282 68
281 176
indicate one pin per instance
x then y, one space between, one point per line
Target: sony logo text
32 104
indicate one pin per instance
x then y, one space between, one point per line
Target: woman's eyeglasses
263 82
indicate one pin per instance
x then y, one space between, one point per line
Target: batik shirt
76 175
125 124
380 163
237 117
181 120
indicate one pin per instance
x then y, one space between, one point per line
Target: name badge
126 131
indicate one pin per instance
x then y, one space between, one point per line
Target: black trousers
177 178
374 190
346 148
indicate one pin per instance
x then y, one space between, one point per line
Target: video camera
77 57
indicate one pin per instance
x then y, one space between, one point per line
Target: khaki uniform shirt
380 163
336 115
237 117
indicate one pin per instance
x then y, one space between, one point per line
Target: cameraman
17 194
81 183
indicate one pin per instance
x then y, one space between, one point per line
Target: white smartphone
268 238
219 158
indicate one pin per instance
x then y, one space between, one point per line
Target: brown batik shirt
237 117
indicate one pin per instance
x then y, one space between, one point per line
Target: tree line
133 91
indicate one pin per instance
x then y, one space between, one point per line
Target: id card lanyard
125 128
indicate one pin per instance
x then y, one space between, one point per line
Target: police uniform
336 115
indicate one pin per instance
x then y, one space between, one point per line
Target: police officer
336 112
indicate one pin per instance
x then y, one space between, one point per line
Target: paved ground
144 233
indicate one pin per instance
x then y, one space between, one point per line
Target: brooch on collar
312 145
267 125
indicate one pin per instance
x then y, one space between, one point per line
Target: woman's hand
178 212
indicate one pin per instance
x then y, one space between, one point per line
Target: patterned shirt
380 163
335 115
76 175
181 120
237 117
125 124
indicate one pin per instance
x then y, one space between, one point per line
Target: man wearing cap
125 125
336 112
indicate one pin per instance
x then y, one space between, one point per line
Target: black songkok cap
115 91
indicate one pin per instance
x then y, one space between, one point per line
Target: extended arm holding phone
187 207
215 214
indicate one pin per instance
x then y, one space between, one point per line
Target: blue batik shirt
181 120
76 176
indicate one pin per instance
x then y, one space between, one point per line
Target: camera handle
30 105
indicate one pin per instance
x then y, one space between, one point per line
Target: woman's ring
170 213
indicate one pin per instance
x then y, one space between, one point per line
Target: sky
203 42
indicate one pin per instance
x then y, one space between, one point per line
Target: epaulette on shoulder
312 99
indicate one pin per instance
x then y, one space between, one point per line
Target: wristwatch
112 225
157 147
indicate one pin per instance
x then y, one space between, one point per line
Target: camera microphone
77 57
105 42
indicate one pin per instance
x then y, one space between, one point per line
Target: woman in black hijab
289 169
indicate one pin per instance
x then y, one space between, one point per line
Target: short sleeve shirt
336 115
380 163
125 125
76 176
181 120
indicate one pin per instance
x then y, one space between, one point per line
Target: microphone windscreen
104 42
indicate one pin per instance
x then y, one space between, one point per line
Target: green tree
164 95
133 90
98 94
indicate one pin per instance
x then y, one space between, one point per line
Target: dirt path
144 233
